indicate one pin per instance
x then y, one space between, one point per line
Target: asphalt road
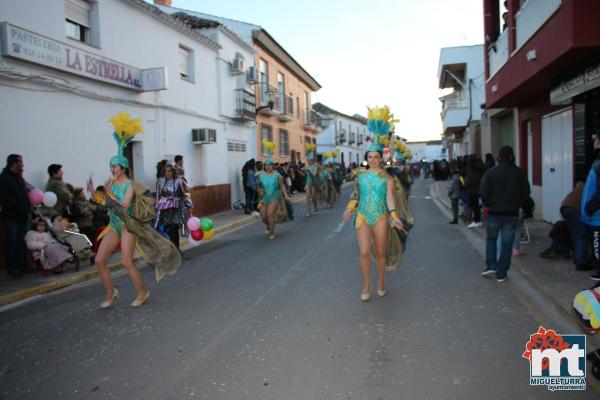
252 318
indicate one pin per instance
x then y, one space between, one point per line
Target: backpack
144 209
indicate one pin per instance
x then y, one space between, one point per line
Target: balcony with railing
245 105
286 108
498 53
532 15
455 110
267 91
312 120
340 138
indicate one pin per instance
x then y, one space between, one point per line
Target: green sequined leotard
372 203
270 184
310 176
119 190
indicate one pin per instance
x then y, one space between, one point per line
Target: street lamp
271 101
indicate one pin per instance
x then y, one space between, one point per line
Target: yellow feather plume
268 146
125 126
310 146
382 113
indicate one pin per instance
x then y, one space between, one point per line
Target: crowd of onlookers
49 237
41 237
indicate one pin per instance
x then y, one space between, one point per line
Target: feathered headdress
125 129
269 148
399 150
328 157
310 150
380 123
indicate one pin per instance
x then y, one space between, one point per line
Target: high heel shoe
137 303
381 293
107 303
366 296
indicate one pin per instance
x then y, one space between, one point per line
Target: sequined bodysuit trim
372 202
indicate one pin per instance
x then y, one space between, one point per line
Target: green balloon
206 224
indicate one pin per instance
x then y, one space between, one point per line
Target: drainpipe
470 107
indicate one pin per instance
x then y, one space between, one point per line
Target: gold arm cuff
394 215
352 205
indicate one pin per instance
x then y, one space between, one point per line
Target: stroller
79 244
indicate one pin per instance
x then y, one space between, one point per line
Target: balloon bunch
200 228
37 197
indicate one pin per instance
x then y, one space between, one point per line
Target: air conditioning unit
237 66
204 136
252 76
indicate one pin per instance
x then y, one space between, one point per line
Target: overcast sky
363 53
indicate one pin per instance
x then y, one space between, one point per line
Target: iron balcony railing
266 90
245 104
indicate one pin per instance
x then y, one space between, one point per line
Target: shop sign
584 81
29 46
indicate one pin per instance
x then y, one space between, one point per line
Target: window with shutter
78 20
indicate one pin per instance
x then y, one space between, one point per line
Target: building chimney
166 3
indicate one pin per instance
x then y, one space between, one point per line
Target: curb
59 284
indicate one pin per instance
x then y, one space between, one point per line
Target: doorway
557 161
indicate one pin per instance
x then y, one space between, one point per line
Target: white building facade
347 134
427 151
462 70
67 67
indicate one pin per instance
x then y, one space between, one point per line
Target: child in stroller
48 251
69 232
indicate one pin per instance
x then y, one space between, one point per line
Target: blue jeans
504 227
250 200
14 246
579 235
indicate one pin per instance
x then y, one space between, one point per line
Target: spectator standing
454 192
490 162
62 191
590 206
475 170
504 191
14 214
179 167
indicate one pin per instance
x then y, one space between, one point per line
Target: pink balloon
36 196
193 224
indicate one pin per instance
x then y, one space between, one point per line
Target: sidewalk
33 284
557 279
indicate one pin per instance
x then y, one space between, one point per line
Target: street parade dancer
377 198
272 193
131 209
327 183
312 180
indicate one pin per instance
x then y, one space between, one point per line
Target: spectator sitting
56 184
561 242
46 250
85 218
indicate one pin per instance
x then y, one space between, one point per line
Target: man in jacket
475 170
14 214
590 206
504 190
62 191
